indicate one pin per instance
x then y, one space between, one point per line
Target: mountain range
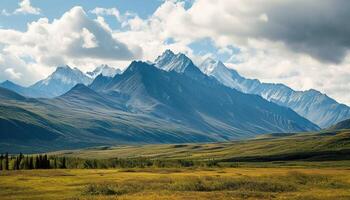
170 101
60 81
311 104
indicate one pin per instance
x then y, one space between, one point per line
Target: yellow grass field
191 184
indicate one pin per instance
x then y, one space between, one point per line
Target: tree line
22 162
27 162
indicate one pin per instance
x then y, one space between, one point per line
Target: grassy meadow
152 183
322 146
307 166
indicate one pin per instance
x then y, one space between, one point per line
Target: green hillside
302 146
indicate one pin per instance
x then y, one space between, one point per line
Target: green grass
323 146
216 183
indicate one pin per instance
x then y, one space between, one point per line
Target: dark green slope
20 124
321 146
341 125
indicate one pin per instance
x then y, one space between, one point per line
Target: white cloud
12 73
263 17
5 13
73 39
14 68
268 48
89 39
107 11
26 8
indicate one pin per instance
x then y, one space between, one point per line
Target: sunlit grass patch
231 184
242 186
216 184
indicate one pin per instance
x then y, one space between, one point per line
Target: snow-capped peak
105 70
64 75
209 65
169 61
215 67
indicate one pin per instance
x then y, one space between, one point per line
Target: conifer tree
6 161
31 163
55 162
1 158
36 163
64 163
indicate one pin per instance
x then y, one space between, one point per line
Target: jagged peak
168 52
210 66
63 67
169 61
105 70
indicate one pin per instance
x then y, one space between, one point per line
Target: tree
63 166
24 163
1 158
55 163
6 161
36 163
31 163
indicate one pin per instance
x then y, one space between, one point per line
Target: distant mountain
60 81
341 125
204 104
6 94
24 91
105 70
142 105
81 118
179 63
168 61
12 86
311 104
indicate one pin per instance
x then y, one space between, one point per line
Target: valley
260 168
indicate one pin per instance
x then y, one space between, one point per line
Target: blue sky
304 44
55 8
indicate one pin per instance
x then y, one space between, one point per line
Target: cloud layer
304 44
73 39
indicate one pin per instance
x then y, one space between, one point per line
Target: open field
323 146
217 183
305 166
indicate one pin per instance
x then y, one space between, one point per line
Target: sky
303 44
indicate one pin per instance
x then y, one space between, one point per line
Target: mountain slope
311 104
203 104
24 91
6 94
143 105
341 125
60 81
81 118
